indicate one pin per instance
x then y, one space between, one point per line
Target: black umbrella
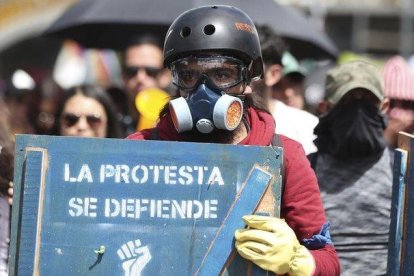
110 24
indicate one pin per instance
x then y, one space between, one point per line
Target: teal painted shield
122 207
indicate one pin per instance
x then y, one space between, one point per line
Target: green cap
348 76
291 65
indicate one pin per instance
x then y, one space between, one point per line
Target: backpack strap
313 158
277 142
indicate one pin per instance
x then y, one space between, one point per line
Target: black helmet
215 28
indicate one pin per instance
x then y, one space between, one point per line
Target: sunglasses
403 104
131 71
71 119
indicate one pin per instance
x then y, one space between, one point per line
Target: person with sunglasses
87 111
143 69
143 65
399 88
214 55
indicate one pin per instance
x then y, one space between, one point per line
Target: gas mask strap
246 124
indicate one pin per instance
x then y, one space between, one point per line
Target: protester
289 89
87 111
314 84
292 122
399 88
214 53
6 177
19 102
143 65
353 166
42 109
143 68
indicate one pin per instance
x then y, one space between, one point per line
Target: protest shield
126 207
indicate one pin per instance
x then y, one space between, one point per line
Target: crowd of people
336 200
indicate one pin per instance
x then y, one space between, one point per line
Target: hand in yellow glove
271 244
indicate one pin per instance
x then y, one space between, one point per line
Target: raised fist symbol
134 256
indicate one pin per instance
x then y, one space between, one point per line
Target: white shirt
296 124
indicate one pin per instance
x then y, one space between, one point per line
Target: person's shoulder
135 136
303 115
309 116
293 151
140 135
289 143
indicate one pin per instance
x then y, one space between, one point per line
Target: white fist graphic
134 256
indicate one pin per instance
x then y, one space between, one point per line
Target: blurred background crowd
37 64
95 68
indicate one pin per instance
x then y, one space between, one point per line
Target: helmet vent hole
209 29
186 31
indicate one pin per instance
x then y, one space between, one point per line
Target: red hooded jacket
301 204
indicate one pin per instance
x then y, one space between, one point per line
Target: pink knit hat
398 79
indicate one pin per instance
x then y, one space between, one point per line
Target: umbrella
109 23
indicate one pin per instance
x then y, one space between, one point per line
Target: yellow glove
271 244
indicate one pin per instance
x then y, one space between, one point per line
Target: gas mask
207 106
206 109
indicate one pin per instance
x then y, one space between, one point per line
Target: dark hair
99 94
272 45
145 39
